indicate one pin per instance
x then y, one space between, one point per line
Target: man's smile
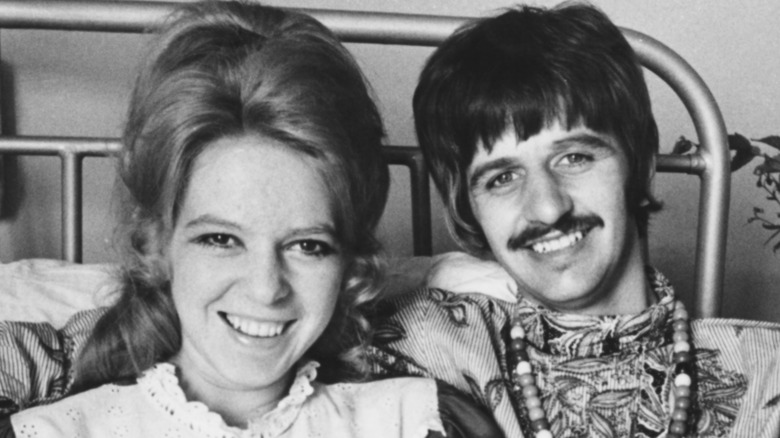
557 243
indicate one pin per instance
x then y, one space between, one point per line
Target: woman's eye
218 240
314 247
502 179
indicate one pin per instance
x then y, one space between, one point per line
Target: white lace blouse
156 407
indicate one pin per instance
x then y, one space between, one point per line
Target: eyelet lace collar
161 384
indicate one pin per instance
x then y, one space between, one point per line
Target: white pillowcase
462 273
45 290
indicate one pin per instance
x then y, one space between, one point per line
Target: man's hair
230 69
526 69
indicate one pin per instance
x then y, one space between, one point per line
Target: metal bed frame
710 162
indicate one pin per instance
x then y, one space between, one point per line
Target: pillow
45 290
462 273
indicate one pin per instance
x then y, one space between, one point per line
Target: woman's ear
151 247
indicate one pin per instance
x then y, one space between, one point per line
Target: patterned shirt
599 376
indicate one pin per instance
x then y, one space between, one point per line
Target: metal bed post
711 162
71 205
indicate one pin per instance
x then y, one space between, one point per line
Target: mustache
565 225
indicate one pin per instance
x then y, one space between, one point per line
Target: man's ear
648 199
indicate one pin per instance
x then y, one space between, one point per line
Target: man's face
553 210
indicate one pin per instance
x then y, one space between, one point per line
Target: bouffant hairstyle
227 69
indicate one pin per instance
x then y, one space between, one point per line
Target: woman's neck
235 405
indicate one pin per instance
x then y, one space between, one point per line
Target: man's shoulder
431 304
737 327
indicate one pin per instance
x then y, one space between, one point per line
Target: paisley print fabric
599 376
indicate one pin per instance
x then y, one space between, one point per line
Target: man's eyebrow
593 140
484 168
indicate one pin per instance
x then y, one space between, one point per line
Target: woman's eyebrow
210 219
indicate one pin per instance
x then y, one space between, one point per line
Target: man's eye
502 179
575 159
314 247
217 240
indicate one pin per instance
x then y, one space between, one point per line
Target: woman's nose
267 279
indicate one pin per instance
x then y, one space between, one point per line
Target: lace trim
162 386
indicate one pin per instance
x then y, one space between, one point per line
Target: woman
254 176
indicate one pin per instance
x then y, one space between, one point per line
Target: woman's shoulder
405 406
423 407
76 412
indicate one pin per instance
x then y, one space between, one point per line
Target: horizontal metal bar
121 16
715 159
138 16
689 163
83 146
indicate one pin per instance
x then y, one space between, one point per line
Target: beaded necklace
680 402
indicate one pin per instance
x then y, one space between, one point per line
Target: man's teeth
255 328
562 242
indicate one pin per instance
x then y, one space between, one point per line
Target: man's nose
266 278
545 198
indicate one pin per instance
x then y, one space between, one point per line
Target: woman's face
256 267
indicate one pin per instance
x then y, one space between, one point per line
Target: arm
462 417
35 365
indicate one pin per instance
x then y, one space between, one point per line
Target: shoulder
738 364
462 417
391 391
406 406
76 411
749 337
431 306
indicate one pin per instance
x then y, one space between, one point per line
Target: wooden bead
522 355
533 402
680 337
523 368
518 344
544 434
680 314
682 357
536 414
682 391
682 347
526 380
678 427
680 325
517 332
530 391
682 380
682 403
680 415
538 425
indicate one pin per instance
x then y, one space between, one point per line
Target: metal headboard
710 162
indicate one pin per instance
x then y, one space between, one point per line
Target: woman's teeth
255 328
559 243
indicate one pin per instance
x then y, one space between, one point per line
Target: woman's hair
526 69
224 69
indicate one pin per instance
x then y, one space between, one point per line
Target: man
536 125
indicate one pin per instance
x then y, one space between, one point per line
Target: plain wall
78 83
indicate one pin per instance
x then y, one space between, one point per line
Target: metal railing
710 162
